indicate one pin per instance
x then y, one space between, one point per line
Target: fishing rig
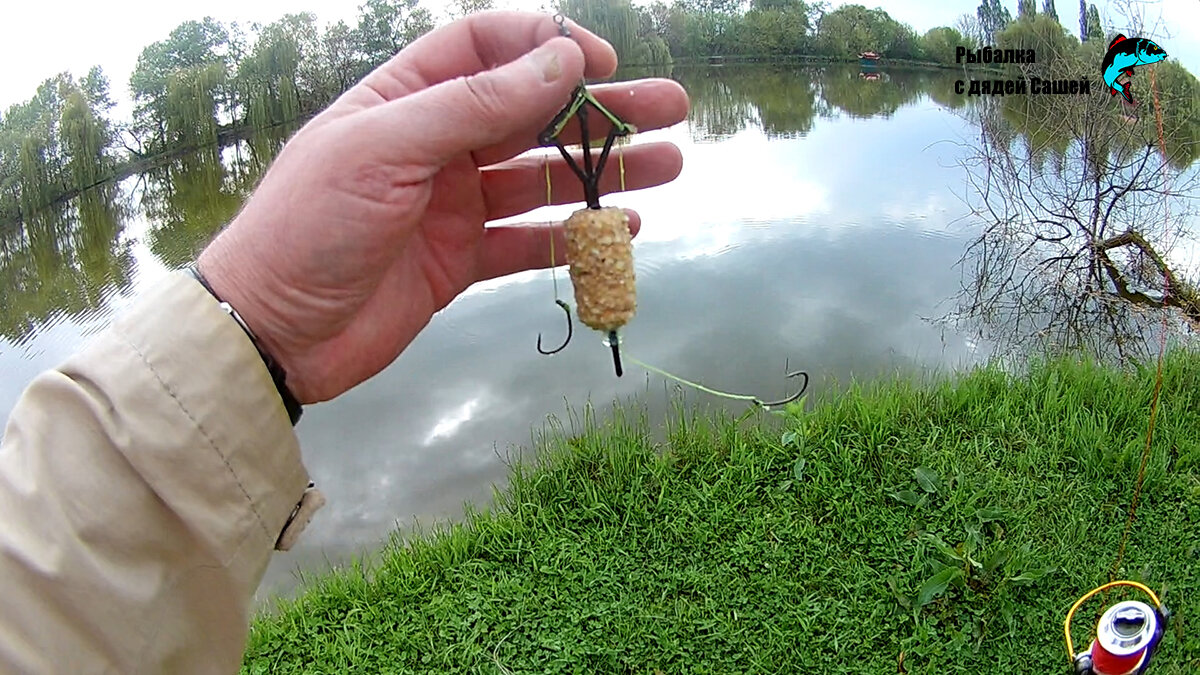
599 247
1128 632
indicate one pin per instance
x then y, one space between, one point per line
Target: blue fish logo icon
1123 54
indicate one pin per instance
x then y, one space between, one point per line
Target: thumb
471 113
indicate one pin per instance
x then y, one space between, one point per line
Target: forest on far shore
207 81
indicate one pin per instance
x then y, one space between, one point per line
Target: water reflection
63 263
783 100
1085 229
435 428
189 201
811 227
859 97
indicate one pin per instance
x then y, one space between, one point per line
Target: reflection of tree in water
263 146
940 87
784 100
63 261
66 261
779 99
718 110
189 201
1079 214
846 90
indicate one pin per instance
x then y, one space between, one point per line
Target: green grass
757 547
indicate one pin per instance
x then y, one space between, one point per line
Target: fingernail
545 59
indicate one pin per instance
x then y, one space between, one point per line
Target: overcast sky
41 38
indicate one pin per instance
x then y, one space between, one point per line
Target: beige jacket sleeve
143 487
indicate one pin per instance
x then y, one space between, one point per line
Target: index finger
481 42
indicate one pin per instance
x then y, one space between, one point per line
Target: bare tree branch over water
1081 217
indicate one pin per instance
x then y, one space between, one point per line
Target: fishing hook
794 397
567 311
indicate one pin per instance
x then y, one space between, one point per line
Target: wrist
233 304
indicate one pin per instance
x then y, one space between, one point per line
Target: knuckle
485 96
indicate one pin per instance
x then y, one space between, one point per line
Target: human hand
371 219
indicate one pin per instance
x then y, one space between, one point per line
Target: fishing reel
1126 635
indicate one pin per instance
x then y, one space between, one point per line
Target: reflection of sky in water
822 252
743 264
428 432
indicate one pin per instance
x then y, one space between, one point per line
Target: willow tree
84 140
614 20
192 106
27 171
266 78
54 144
267 87
166 66
38 186
34 146
632 32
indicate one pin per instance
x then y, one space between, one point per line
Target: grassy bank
806 546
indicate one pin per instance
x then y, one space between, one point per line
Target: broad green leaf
928 479
798 469
996 559
1029 577
987 515
936 585
894 585
974 538
907 497
944 548
789 437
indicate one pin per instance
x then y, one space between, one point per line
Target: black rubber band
278 375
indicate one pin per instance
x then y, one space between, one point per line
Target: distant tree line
207 81
203 81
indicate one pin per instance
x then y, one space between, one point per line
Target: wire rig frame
589 170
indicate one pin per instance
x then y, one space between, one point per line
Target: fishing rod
1128 632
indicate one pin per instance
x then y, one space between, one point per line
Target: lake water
814 225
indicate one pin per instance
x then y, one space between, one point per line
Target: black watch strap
278 375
